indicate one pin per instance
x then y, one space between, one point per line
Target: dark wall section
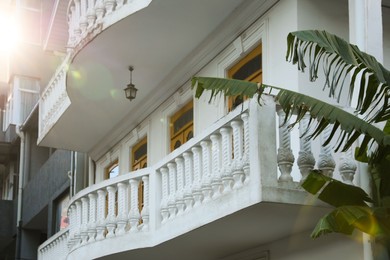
50 180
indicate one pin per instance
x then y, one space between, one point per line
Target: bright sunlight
9 32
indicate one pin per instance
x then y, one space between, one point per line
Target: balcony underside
248 228
163 43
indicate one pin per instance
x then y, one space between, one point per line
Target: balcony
225 190
84 103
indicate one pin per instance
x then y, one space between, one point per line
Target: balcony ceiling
160 41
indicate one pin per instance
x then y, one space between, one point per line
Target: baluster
72 226
134 215
188 166
326 162
164 199
77 30
306 159
246 161
216 181
109 5
206 176
145 209
347 167
101 209
84 220
180 185
91 14
92 217
83 16
99 10
78 223
111 218
196 188
122 209
71 24
238 172
172 190
119 4
227 178
285 157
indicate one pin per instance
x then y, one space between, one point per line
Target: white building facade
171 176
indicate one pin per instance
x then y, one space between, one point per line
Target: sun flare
9 33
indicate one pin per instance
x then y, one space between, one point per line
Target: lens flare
9 33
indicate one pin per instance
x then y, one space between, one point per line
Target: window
61 216
182 126
139 161
139 155
112 170
248 68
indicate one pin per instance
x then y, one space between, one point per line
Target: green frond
341 60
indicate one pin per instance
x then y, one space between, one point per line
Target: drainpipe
20 191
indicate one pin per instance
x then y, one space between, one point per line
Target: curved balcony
166 41
220 187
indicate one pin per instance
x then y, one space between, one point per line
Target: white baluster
111 217
91 14
109 5
78 223
246 161
92 217
196 188
99 10
77 29
71 31
145 209
83 17
326 162
134 215
122 209
216 181
84 220
227 178
206 176
165 194
306 159
72 225
188 166
347 167
101 209
180 185
119 4
285 157
172 190
238 172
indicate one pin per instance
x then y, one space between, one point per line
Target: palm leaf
341 59
351 127
345 219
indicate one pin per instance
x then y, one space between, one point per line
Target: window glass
62 220
248 68
112 171
139 155
182 126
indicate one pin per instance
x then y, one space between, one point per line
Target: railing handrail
202 135
124 177
52 238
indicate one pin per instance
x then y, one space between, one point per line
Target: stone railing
211 165
235 159
54 99
55 247
87 18
109 209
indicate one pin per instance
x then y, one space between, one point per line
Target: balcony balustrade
239 154
87 18
54 99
